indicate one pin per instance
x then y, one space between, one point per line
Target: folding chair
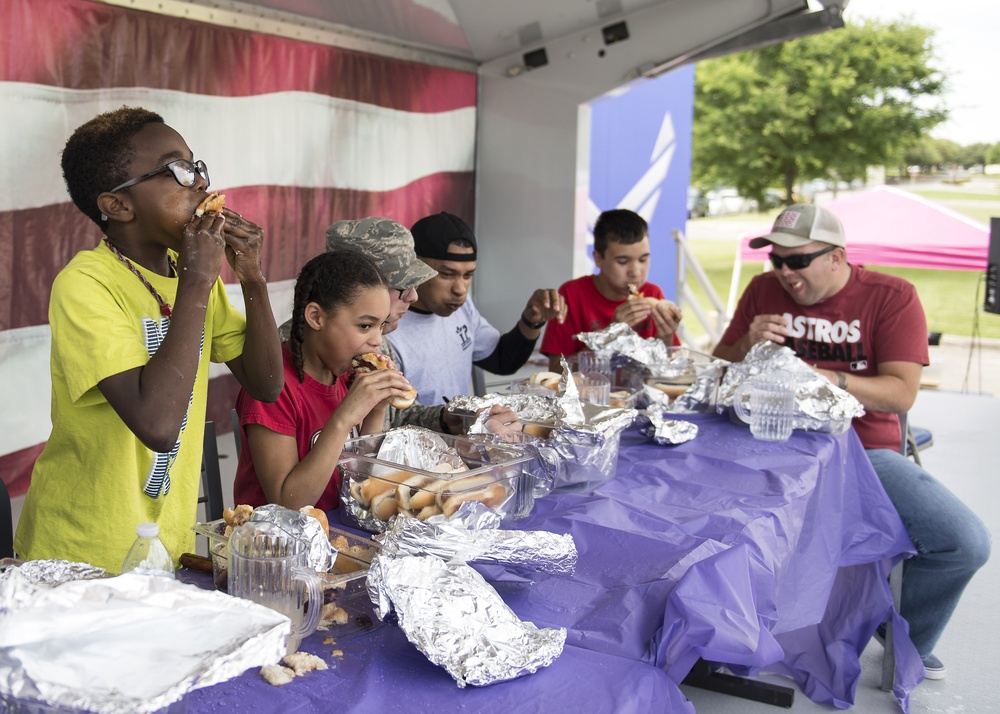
6 523
211 475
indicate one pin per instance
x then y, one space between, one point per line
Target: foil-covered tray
127 644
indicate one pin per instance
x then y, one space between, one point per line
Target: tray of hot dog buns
423 474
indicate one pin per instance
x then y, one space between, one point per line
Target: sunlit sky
967 45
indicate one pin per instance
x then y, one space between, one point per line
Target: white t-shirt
436 353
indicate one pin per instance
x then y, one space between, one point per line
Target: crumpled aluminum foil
303 527
127 644
51 572
532 550
642 358
819 405
535 408
452 615
40 573
418 448
620 339
665 431
584 439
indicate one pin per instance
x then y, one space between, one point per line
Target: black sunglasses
184 172
800 261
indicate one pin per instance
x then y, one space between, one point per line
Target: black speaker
992 301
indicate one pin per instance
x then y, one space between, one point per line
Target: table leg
703 677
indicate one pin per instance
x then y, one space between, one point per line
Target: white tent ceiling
471 33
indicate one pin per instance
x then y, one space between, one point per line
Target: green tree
972 155
828 104
993 155
930 153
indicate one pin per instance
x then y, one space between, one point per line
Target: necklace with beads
165 308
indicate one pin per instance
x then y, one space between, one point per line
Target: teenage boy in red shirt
621 253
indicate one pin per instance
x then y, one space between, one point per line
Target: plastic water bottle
148 555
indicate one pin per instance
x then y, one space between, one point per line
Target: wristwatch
532 325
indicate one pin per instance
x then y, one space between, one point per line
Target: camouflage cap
386 242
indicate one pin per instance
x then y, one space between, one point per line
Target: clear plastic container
374 490
148 555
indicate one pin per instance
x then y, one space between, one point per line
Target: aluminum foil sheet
50 572
452 615
538 551
537 408
819 405
303 527
127 644
418 448
666 431
583 445
620 339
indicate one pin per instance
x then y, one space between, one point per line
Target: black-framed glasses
184 172
800 261
403 292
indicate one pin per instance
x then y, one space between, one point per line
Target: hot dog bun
213 203
319 516
370 362
545 379
375 486
472 488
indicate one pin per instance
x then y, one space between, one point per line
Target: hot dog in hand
370 362
213 203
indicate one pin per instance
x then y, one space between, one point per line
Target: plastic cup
594 388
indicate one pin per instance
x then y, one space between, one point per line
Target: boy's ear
314 316
114 208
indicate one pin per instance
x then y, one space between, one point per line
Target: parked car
725 200
697 204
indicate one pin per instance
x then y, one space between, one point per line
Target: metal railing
714 323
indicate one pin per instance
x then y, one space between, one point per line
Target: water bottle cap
147 530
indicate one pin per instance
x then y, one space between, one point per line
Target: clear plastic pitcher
269 567
772 404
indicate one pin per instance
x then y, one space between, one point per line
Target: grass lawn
952 299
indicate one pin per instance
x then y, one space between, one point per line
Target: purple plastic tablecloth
766 557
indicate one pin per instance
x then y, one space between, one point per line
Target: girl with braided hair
290 448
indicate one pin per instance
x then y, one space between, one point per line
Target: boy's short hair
619 225
96 156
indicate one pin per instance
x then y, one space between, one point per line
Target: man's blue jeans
952 544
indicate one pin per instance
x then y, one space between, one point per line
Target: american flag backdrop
297 135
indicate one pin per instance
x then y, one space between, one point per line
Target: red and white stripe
296 134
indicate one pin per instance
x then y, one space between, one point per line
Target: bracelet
532 325
842 380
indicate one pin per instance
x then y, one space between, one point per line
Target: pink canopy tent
890 227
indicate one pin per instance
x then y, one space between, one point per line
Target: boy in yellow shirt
135 322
